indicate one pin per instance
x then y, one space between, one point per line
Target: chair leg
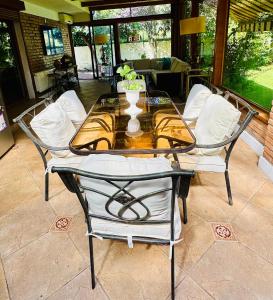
230 201
172 275
185 213
46 185
93 279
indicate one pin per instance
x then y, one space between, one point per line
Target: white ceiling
68 6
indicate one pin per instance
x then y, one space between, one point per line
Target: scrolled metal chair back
121 193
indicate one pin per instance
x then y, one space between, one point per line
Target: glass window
208 9
147 39
132 12
111 13
249 54
150 10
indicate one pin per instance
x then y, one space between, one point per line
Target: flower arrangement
129 77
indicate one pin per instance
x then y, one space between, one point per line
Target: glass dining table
151 126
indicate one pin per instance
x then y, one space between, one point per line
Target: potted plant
131 86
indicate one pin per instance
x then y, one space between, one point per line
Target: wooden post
178 42
194 37
220 41
117 43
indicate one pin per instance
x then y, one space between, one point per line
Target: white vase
133 125
132 96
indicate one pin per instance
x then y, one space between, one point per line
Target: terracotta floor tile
80 288
264 197
223 231
189 289
22 225
232 271
42 267
254 228
139 273
4 294
61 224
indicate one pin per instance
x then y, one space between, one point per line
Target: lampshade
193 25
101 39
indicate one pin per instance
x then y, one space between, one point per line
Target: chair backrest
72 105
224 119
197 98
24 119
145 198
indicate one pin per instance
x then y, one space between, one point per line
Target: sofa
167 74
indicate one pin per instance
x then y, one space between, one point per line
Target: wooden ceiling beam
267 3
12 4
240 9
251 4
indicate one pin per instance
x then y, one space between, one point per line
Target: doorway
12 86
94 50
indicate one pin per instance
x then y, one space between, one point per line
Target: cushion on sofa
156 64
174 63
217 121
53 126
166 63
72 105
141 64
159 204
196 100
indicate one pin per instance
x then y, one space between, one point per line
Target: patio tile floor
37 263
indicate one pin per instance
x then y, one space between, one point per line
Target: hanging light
193 25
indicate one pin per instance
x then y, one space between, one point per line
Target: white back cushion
120 165
196 100
72 105
159 204
54 128
217 121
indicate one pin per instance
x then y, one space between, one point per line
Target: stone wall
38 61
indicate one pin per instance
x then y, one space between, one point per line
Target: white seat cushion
159 205
121 84
72 161
196 100
72 105
208 163
217 121
54 128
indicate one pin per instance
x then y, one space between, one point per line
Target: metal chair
209 163
124 197
23 121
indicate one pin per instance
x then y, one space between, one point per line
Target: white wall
83 57
135 50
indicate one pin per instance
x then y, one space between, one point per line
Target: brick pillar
268 146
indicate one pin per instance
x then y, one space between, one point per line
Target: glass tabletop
151 126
